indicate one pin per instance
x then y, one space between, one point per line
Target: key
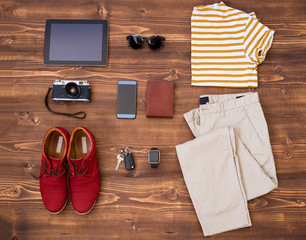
120 158
129 161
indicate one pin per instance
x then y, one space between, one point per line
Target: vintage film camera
67 90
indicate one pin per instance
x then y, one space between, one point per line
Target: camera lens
72 89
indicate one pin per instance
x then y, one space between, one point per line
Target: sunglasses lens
156 42
135 41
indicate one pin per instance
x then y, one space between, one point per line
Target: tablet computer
76 42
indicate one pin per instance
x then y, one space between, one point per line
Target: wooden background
145 203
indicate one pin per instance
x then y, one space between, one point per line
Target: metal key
120 158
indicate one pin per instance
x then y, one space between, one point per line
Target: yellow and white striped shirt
226 46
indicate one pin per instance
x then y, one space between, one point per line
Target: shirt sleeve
257 40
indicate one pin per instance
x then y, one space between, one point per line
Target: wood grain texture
145 203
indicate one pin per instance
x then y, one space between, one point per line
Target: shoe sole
87 211
59 210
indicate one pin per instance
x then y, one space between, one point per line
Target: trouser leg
212 176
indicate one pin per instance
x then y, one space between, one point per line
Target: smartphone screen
126 99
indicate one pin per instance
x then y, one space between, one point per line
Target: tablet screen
76 42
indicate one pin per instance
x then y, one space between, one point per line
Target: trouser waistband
225 102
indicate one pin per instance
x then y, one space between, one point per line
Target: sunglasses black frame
139 45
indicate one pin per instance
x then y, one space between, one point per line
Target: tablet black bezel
103 61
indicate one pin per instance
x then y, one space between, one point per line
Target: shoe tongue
77 161
54 161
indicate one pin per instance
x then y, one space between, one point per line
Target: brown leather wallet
160 99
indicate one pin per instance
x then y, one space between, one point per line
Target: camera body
66 90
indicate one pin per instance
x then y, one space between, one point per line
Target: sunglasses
154 42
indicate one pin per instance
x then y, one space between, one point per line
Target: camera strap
74 115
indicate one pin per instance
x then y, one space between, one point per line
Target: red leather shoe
84 173
53 171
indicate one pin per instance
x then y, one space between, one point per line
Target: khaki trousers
229 162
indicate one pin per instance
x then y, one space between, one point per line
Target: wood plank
144 203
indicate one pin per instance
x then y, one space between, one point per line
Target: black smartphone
126 99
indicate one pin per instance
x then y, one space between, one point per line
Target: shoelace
54 172
78 169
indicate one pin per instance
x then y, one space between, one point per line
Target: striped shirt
226 46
